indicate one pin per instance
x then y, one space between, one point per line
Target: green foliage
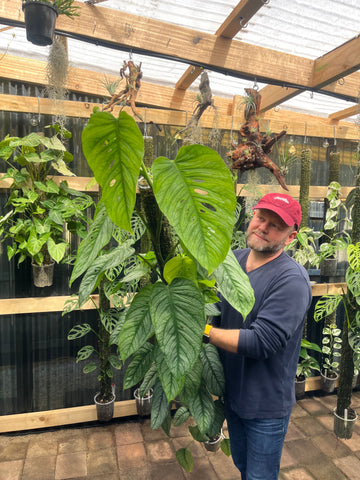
328 304
307 363
161 335
39 208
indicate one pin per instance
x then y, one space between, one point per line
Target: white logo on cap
282 198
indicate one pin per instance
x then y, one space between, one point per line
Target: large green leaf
192 382
114 148
202 408
219 418
170 384
185 459
56 250
181 415
177 313
160 407
140 363
326 306
196 193
234 285
94 273
213 372
99 235
138 326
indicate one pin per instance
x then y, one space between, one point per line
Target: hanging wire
255 86
334 135
145 125
305 136
231 131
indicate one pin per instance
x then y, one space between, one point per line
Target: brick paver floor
127 449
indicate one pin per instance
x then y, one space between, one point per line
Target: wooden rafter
127 31
295 122
237 19
198 48
347 112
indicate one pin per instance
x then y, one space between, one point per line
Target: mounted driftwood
132 74
254 148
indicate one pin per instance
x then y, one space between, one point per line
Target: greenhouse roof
303 56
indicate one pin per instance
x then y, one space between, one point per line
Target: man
260 353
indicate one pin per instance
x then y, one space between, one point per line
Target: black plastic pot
40 21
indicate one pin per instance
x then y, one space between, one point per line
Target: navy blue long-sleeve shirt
260 377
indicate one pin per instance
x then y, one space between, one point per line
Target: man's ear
291 237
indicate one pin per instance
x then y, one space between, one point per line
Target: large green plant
105 260
163 327
38 207
351 330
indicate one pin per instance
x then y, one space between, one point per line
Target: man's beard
269 248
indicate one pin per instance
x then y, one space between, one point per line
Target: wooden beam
90 82
82 184
315 192
62 416
239 18
20 306
127 31
293 122
337 63
272 96
8 306
188 77
347 112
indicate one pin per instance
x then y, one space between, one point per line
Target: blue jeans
256 445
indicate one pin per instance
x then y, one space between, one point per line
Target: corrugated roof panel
300 27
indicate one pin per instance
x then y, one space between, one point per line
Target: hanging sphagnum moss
305 178
334 167
57 69
148 151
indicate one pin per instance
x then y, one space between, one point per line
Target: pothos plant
38 206
194 197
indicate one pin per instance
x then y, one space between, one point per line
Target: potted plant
331 352
333 241
106 262
40 18
143 401
189 218
306 365
39 207
304 249
350 358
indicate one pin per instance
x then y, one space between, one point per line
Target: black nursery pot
40 21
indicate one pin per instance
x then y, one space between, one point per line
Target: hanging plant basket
40 21
43 274
104 410
343 427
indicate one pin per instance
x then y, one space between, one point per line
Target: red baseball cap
283 205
